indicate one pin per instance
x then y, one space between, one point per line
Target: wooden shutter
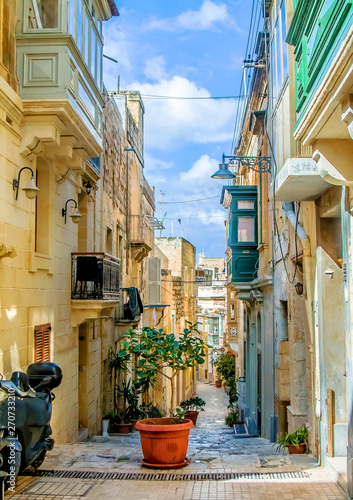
42 343
154 280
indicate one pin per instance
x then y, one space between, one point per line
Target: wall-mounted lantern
75 216
31 189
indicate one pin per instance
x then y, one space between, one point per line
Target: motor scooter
25 413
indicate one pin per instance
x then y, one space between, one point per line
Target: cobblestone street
213 449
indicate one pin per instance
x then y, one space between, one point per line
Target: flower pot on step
120 428
218 383
296 450
164 443
192 415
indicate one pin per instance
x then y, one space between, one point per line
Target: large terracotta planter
218 383
164 445
192 415
295 450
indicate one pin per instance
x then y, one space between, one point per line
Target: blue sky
191 48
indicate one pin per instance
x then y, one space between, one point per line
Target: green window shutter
154 280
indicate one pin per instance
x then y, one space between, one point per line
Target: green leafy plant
155 352
296 438
225 368
149 410
193 404
232 417
178 416
117 363
232 392
117 417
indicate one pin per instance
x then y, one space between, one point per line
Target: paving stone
212 448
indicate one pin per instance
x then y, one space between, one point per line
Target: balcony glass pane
87 30
245 205
43 14
85 98
72 17
79 26
99 65
93 52
246 229
284 34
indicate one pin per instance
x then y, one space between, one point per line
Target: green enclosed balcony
242 232
319 30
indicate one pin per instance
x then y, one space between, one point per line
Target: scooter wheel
39 460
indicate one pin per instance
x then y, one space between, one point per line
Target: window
86 99
93 52
79 38
109 241
245 205
246 229
72 17
232 311
43 14
87 31
42 343
279 51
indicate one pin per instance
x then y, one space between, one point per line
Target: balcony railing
141 232
95 276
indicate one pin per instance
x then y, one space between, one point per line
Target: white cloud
209 15
152 163
171 122
155 68
200 172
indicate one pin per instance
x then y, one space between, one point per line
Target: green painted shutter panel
154 280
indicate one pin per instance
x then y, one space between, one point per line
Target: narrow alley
221 467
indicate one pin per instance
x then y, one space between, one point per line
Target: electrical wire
193 218
188 201
200 282
156 96
241 105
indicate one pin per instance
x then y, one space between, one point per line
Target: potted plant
296 442
118 422
225 368
233 417
192 407
164 441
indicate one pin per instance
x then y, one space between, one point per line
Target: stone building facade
298 115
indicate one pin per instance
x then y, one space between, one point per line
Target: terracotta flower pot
218 383
192 415
120 428
164 444
133 422
294 450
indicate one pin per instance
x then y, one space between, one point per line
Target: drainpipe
288 207
309 273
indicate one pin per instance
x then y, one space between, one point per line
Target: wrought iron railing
95 276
